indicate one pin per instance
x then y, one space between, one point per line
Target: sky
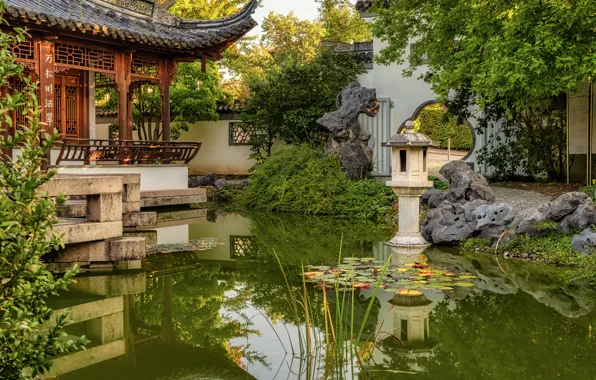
304 9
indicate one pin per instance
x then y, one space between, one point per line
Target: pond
224 311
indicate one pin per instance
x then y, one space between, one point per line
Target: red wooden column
123 79
46 84
167 72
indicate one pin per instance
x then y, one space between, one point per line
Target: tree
28 339
287 33
342 23
286 102
513 54
206 9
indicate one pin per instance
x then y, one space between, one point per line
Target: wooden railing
127 152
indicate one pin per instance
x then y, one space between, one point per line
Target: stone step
176 197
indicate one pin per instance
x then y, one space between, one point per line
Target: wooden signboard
46 85
578 120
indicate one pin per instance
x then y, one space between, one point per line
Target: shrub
434 122
304 180
28 338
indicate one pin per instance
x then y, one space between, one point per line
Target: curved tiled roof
157 30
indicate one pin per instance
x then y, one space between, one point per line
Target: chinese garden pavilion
78 45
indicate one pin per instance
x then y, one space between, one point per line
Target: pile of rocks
211 180
467 210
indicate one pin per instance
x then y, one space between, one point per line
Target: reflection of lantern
409 180
411 325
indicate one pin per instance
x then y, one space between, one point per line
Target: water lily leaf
463 284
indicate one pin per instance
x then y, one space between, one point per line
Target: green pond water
223 312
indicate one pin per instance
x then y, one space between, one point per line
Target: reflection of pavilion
105 308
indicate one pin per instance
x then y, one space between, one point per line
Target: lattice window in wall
240 134
66 106
243 246
144 66
84 57
140 6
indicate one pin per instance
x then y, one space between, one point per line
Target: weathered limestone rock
465 184
428 194
570 210
584 242
127 249
452 222
493 219
347 139
235 183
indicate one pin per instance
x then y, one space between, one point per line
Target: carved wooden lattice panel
84 57
19 118
239 135
140 6
144 66
243 246
24 50
72 118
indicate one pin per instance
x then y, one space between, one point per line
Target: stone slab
106 329
181 215
111 285
80 231
131 207
73 209
91 310
135 219
127 249
173 200
82 185
88 357
104 208
150 236
174 193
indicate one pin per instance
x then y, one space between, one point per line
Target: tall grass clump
304 180
332 341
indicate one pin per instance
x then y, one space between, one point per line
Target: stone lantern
409 180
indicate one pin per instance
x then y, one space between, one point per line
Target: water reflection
224 314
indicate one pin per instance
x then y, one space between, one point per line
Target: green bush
436 124
303 180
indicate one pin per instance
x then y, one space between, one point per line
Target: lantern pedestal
409 180
409 240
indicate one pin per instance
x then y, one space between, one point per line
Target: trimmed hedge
434 122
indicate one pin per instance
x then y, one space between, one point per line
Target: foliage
511 54
342 23
590 190
554 247
533 142
288 33
285 234
438 183
438 124
303 180
287 101
28 339
206 9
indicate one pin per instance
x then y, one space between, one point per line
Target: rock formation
571 211
465 185
347 140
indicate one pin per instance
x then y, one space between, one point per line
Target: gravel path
524 202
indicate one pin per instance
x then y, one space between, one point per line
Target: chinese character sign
46 84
